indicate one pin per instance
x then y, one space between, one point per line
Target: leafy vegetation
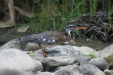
31 53
55 14
91 55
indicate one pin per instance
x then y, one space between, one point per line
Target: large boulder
17 62
50 63
65 50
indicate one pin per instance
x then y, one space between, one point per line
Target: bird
50 38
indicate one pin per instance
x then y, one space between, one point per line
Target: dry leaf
23 29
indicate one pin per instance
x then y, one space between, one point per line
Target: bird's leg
43 50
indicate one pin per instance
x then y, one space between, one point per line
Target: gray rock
88 69
85 61
106 52
108 72
57 51
100 63
14 60
65 50
31 46
52 62
20 45
68 70
45 73
11 44
86 50
13 72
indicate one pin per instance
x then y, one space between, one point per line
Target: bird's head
71 27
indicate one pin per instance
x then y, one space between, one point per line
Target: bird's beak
80 28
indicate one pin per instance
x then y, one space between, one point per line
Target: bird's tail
25 38
17 39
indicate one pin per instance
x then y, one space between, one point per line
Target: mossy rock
109 60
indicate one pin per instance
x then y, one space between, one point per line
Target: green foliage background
55 14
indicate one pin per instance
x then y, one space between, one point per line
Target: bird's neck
68 37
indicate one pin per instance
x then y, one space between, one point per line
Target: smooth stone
100 63
14 60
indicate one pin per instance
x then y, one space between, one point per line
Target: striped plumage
48 38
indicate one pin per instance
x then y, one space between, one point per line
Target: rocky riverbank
61 60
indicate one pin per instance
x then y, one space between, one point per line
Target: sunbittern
49 38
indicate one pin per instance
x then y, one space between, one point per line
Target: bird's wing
45 40
39 39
